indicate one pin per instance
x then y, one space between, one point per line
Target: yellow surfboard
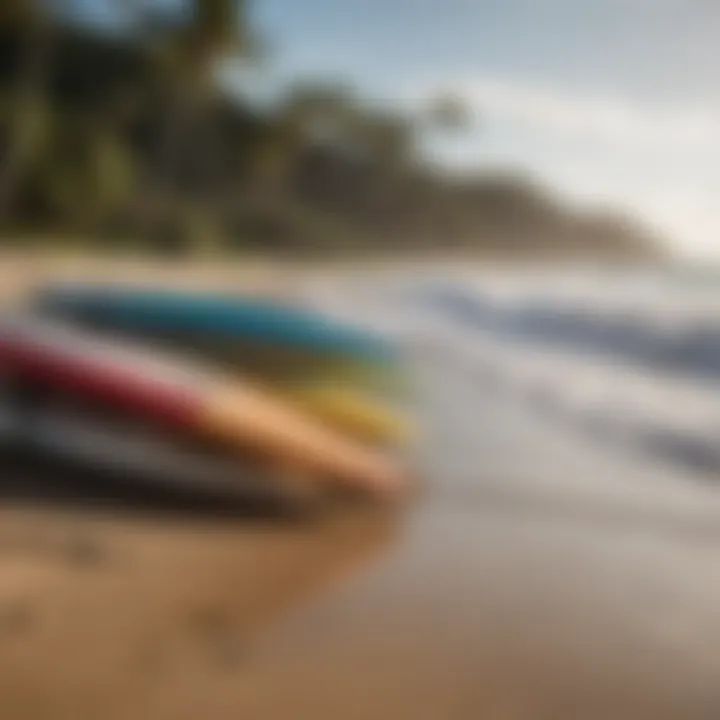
353 413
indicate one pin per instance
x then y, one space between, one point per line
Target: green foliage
129 137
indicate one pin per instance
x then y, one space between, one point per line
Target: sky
610 102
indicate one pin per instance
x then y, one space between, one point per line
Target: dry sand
536 578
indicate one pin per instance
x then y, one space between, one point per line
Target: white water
636 367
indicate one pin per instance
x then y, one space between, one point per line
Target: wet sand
537 576
106 613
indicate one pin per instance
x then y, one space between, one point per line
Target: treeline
124 135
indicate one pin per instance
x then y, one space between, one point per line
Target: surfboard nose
243 414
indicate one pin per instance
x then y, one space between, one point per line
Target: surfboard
353 413
64 438
258 324
75 367
344 377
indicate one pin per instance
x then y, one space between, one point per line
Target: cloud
672 125
657 159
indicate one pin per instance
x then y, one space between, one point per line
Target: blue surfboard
220 318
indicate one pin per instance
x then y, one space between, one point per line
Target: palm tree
27 115
310 112
188 54
330 115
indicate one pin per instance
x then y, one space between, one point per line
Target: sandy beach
536 576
